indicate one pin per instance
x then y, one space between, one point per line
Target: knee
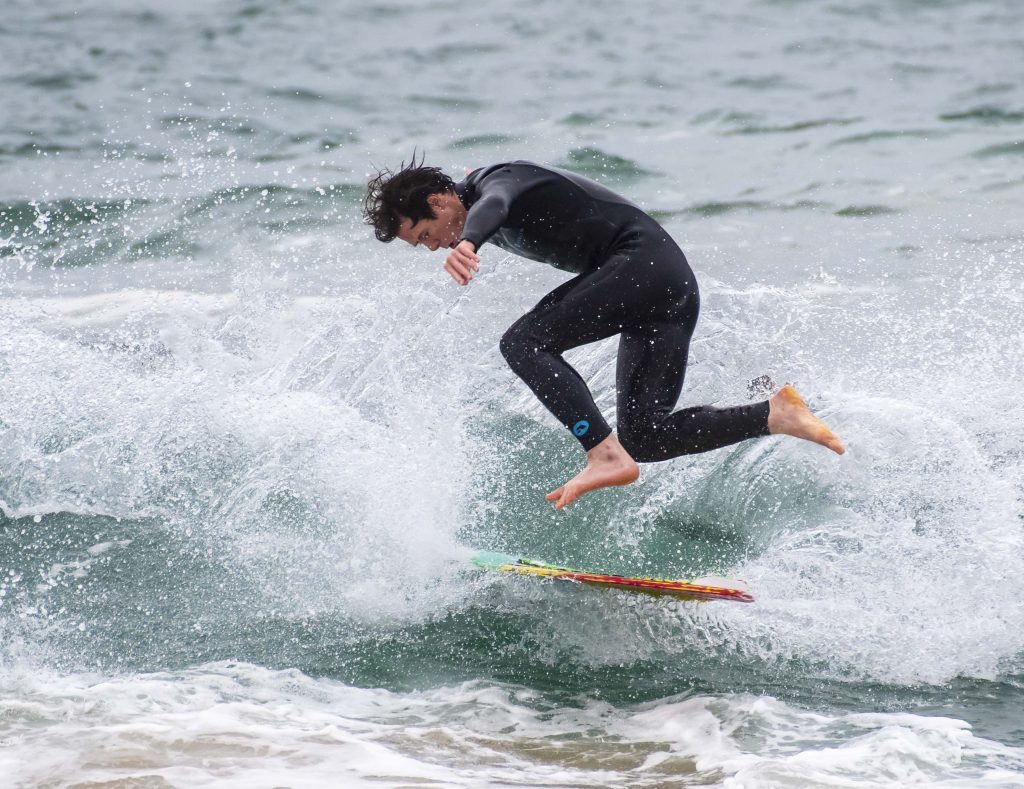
510 344
517 345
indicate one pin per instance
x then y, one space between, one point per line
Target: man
631 279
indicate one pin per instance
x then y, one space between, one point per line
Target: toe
568 497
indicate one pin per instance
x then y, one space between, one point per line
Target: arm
496 190
483 220
488 213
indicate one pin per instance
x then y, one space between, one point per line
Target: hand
462 262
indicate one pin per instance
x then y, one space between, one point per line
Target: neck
453 204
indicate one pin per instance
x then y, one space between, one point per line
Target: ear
436 200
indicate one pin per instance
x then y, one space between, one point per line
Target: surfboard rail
691 589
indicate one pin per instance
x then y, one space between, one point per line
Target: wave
986 115
586 119
72 233
57 81
303 457
236 724
789 128
600 164
32 149
723 207
1001 149
868 210
482 141
875 136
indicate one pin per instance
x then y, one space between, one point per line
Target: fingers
461 263
467 259
455 274
458 270
465 251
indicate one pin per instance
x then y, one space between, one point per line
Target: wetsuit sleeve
487 215
496 192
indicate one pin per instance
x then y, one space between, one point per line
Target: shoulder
516 176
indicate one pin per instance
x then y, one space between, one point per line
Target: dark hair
392 196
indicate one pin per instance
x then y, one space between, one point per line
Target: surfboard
692 589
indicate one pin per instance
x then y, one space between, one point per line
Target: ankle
608 449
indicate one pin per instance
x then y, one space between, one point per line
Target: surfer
630 279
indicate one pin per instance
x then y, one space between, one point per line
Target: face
443 230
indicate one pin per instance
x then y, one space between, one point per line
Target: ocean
246 450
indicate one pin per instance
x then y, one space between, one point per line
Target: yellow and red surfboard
693 589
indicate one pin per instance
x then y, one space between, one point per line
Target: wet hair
392 196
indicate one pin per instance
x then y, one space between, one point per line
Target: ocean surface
246 449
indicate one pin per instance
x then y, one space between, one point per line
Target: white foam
231 724
200 410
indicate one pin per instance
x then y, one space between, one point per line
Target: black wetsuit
631 279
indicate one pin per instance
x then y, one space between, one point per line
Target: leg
580 311
646 280
586 309
649 295
651 369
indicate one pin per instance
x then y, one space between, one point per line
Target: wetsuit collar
462 191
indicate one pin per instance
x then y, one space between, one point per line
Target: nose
433 245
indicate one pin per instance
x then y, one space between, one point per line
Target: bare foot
789 415
608 464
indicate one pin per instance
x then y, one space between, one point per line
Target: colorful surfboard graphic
694 589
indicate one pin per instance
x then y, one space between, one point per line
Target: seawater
246 450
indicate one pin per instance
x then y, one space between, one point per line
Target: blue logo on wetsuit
581 428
